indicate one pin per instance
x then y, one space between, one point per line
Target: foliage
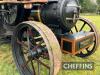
98 3
88 6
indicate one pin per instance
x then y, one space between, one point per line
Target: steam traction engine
37 27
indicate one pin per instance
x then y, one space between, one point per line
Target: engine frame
42 37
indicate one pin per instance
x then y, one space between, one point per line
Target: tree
98 7
87 6
98 2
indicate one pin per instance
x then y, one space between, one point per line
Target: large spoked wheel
12 14
9 14
35 49
86 26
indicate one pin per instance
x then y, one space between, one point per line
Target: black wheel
13 14
86 26
35 49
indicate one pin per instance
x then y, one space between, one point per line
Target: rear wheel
13 14
35 49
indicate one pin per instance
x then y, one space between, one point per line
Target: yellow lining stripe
39 17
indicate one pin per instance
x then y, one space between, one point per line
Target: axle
38 52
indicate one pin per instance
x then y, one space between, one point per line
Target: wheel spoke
43 44
45 55
28 41
26 52
26 63
38 39
38 67
22 43
33 67
88 50
83 26
71 31
24 48
92 30
37 45
42 63
76 28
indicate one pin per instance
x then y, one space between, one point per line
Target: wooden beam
23 2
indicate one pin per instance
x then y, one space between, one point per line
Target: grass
7 66
93 58
95 19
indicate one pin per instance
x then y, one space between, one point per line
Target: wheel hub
37 52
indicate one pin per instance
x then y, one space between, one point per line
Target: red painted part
23 2
38 0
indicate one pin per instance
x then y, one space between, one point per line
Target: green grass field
7 66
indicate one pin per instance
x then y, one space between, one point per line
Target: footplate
74 43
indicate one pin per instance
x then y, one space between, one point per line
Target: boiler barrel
58 13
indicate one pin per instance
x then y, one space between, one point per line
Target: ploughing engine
41 30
